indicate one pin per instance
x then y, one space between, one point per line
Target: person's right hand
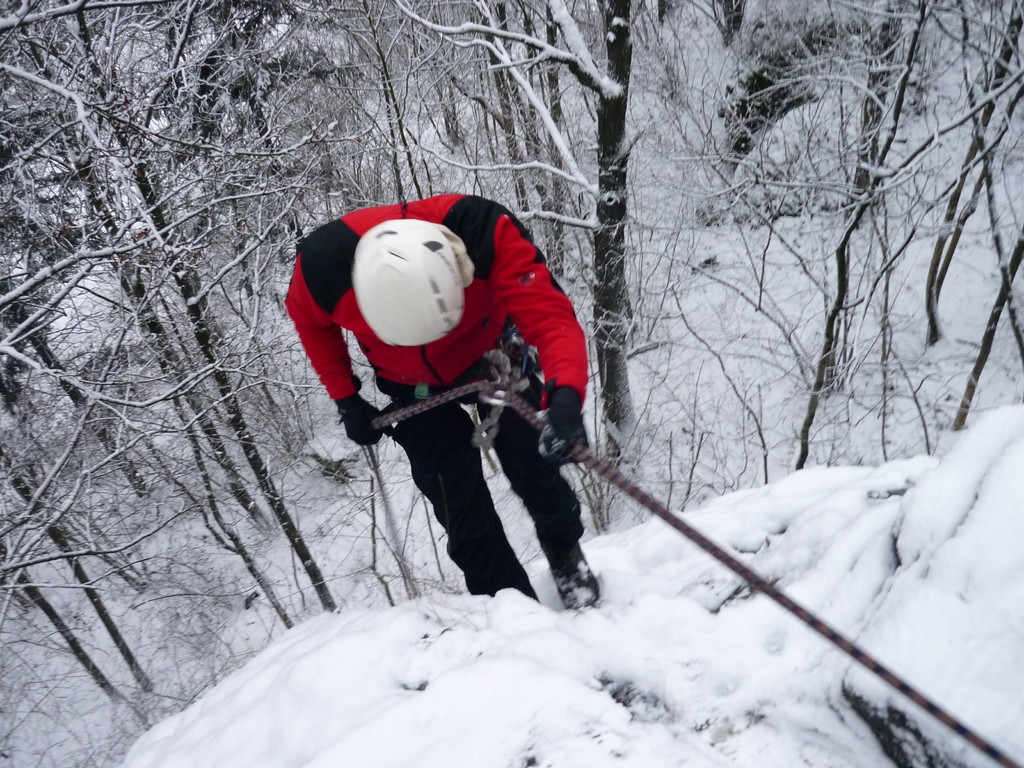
356 415
564 427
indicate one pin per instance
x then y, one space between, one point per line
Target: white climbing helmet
409 277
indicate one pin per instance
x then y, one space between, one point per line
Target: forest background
791 231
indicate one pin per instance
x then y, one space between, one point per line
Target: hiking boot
576 583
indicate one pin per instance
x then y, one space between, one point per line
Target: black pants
447 468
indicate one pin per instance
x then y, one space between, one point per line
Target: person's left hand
564 427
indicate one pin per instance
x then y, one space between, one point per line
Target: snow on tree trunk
612 315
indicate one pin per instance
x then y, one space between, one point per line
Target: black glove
356 415
564 427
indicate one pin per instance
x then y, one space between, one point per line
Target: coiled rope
493 391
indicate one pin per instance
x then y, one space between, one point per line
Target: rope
401 414
611 474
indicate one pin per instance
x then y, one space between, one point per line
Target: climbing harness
509 374
495 392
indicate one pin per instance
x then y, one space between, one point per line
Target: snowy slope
919 561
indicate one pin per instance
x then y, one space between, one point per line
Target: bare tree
997 72
514 48
155 161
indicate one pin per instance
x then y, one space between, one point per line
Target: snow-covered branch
26 13
577 59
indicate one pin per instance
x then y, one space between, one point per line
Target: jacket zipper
426 362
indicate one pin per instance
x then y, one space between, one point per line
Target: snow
917 560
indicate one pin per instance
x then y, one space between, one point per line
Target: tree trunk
511 111
196 308
612 315
234 544
872 152
57 535
827 358
196 311
1009 271
732 12
39 600
59 538
942 253
399 134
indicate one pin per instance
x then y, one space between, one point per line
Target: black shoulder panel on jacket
474 219
327 254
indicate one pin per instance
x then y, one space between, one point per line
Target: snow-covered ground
919 561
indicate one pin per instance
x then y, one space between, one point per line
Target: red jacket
511 280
